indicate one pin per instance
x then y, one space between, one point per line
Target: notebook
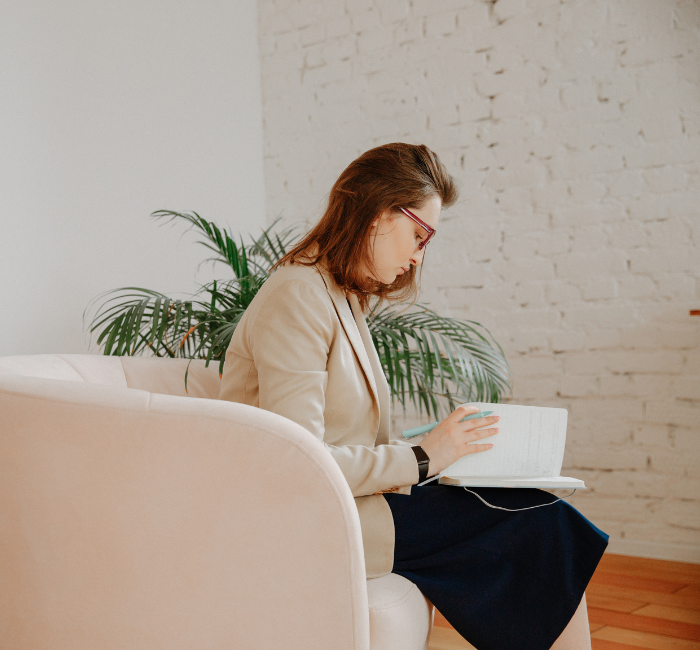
527 451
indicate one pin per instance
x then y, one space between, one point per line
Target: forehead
429 211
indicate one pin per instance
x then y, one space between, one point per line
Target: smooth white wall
109 111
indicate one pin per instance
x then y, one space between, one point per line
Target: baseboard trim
655 550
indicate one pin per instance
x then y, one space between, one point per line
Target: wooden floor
633 603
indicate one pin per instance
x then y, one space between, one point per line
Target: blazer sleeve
291 339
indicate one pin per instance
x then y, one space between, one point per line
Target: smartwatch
423 462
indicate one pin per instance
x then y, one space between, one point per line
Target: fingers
460 412
481 433
475 449
470 425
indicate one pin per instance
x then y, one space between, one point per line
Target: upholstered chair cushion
400 617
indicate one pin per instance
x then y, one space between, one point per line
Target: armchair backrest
155 375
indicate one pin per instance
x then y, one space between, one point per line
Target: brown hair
384 178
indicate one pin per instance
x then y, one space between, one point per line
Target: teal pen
412 433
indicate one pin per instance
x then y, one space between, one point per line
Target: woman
504 578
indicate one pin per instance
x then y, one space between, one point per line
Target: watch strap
423 462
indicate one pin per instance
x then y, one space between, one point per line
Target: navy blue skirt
503 580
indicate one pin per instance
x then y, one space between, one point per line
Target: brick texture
573 128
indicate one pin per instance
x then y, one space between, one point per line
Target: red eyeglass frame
422 224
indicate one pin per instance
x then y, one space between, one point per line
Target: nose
417 257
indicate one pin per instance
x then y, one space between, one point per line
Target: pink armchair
133 515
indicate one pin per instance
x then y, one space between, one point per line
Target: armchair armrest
130 519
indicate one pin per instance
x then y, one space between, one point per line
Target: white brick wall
573 128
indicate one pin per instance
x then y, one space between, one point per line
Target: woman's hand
450 439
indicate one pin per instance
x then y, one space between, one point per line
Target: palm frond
436 362
261 254
267 250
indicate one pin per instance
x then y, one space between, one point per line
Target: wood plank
599 644
645 624
681 614
644 639
647 567
677 599
691 589
604 601
442 638
595 626
636 582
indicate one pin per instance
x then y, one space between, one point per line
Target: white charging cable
542 505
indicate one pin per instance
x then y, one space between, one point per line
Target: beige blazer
301 352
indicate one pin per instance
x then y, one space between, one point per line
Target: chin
389 278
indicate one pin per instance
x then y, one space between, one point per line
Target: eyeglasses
422 224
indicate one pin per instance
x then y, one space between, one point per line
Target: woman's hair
384 178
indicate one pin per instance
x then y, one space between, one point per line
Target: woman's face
395 237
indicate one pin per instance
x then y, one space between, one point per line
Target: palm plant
429 360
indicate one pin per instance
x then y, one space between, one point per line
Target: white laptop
528 451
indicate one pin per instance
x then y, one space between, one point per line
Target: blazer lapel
352 330
377 371
355 326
